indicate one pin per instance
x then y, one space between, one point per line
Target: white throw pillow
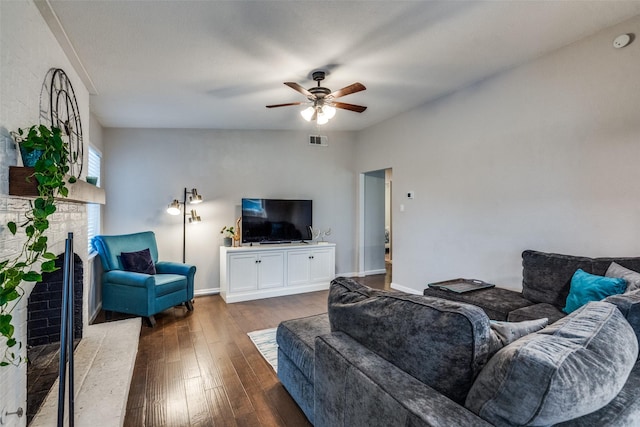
632 277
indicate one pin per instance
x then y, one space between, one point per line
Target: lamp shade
322 119
307 113
174 208
194 217
329 111
195 198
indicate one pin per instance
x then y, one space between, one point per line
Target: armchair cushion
139 261
168 283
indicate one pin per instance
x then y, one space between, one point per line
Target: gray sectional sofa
545 285
381 358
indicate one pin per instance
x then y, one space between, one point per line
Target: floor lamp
174 209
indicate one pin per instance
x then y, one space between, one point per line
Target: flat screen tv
275 220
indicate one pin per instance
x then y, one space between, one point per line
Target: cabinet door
243 272
321 265
271 270
298 267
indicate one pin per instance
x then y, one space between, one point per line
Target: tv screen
275 220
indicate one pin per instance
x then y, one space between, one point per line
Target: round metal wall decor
59 108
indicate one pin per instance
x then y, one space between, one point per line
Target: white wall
543 157
27 51
146 168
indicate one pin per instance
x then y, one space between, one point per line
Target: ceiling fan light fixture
329 112
307 113
322 119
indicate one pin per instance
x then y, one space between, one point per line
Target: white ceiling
216 64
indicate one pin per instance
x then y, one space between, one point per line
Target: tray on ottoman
461 286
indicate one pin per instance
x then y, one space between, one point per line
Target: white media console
254 272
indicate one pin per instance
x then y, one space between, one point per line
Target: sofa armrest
356 387
129 278
629 305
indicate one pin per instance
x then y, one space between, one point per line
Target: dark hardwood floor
201 369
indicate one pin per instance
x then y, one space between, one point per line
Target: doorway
376 230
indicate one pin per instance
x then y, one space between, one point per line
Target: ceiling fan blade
356 87
350 107
284 105
297 87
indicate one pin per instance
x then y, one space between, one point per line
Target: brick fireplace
44 316
45 302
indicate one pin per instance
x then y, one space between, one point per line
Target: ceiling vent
320 140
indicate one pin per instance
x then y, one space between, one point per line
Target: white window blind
93 209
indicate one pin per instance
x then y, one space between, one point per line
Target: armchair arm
129 278
356 387
168 267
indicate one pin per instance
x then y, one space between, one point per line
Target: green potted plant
33 259
228 239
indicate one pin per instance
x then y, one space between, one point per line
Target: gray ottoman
296 346
496 302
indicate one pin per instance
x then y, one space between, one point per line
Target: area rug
265 342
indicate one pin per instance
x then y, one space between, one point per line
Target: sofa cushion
537 311
567 370
546 277
441 343
622 411
632 277
600 265
587 287
296 357
296 339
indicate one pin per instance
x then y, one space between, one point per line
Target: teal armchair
139 293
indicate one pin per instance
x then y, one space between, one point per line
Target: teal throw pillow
587 287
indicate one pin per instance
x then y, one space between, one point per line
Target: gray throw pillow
632 277
567 370
504 333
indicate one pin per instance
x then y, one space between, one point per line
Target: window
93 209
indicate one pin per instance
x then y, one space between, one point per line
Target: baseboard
203 292
361 273
352 274
276 292
93 316
405 289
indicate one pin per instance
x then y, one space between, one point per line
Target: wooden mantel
80 191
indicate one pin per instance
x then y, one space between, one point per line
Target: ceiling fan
322 104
